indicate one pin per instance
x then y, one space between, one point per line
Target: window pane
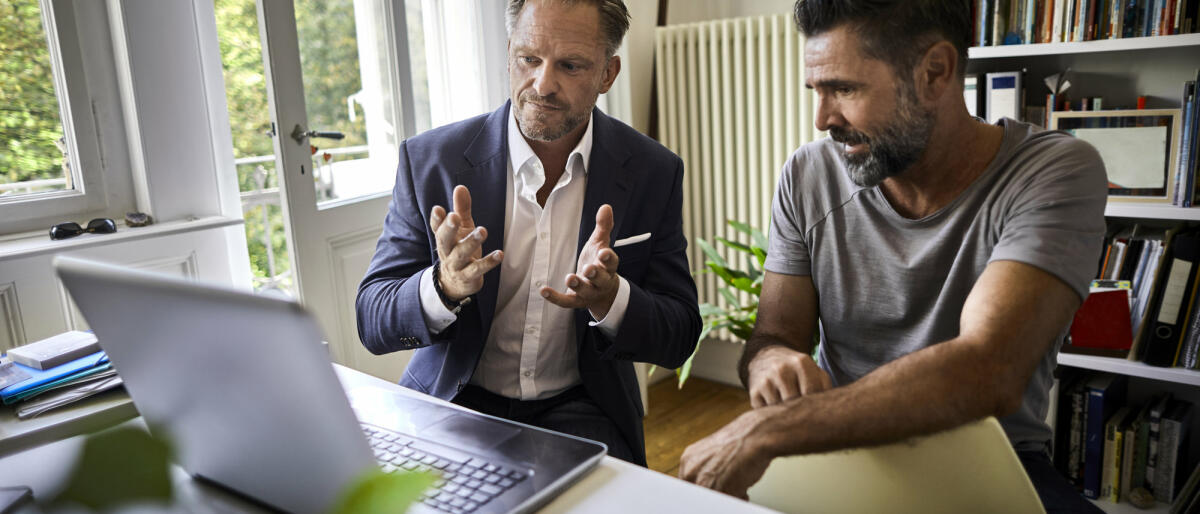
348 89
32 148
253 151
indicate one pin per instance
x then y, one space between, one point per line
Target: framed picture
1139 148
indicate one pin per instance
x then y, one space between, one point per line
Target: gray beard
535 127
895 149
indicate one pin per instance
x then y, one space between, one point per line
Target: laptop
244 389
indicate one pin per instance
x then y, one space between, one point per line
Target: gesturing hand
594 283
730 460
460 248
778 374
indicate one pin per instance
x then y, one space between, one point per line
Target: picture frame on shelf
1139 148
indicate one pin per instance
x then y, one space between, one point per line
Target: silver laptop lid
241 384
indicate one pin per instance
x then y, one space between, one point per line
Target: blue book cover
38 377
1105 394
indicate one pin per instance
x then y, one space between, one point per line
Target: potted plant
737 317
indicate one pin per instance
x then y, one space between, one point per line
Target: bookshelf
1090 47
1119 71
1130 368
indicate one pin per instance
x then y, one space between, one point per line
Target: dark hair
614 19
897 32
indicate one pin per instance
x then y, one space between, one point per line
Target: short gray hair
614 19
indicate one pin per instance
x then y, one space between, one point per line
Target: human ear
611 70
937 71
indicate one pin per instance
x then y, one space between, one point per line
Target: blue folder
39 377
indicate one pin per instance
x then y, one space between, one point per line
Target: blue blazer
637 176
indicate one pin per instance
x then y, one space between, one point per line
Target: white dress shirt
530 352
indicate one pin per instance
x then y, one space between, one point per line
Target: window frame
80 97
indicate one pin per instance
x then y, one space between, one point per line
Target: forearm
935 389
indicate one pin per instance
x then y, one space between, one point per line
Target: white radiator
732 104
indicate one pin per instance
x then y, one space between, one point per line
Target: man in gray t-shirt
943 257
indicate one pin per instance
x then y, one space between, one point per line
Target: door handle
299 134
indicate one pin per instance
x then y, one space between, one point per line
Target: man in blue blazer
563 259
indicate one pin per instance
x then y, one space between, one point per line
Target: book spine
1093 459
1164 469
998 25
1181 169
1076 455
1118 460
1128 456
1141 452
1056 35
1109 460
1186 149
1152 447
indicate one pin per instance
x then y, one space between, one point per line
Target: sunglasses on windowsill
72 229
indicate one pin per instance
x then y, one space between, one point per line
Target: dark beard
897 146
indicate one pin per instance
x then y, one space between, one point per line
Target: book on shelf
1110 473
1152 447
1105 395
1172 450
1141 448
1011 22
1132 451
1101 326
1165 326
1076 438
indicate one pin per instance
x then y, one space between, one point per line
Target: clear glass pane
349 88
32 147
253 151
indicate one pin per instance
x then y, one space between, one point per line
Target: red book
1102 325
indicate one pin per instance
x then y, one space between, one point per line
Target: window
50 167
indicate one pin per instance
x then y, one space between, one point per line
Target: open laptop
245 391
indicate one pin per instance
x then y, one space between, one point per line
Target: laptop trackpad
470 431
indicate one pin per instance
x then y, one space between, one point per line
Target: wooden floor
679 417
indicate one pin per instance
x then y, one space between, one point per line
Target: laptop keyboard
466 483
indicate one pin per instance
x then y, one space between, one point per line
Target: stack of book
1014 22
52 373
1161 268
1188 158
1108 447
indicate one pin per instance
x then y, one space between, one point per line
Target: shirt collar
519 151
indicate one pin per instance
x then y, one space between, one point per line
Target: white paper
1135 157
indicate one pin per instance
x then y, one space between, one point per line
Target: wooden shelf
1151 211
1131 368
1103 45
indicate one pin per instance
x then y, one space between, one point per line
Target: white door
336 189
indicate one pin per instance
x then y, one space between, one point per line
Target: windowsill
29 244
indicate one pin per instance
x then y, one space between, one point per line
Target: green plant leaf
725 273
712 254
118 467
735 245
740 227
729 296
376 492
760 240
760 255
745 284
686 369
708 309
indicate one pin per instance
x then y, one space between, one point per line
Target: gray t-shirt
888 286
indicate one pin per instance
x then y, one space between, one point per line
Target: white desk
614 486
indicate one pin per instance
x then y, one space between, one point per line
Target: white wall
639 41
689 11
